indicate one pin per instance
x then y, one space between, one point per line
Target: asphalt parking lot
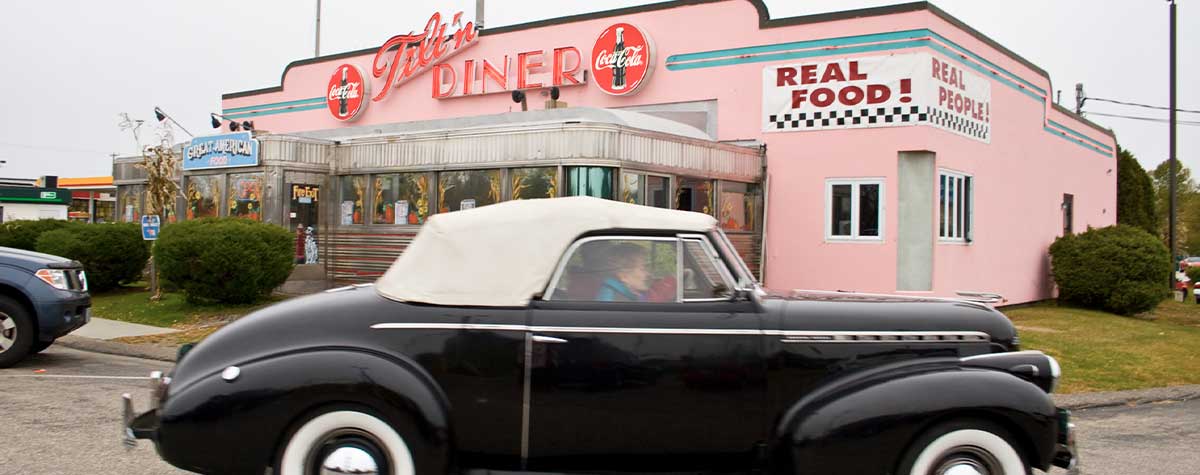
66 420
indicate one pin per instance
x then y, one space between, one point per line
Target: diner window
245 195
633 189
739 206
955 207
658 191
105 211
1068 213
130 199
350 210
620 270
202 193
80 210
590 181
467 189
854 209
530 183
401 198
694 194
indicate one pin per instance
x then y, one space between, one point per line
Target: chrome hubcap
968 461
349 452
8 332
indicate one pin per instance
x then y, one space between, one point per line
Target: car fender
217 425
864 423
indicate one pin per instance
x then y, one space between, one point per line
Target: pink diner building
890 149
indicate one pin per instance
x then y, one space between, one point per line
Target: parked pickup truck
42 297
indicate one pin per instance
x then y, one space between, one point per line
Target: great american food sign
877 91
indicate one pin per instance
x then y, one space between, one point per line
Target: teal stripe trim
275 111
1059 133
988 63
1084 137
298 102
842 41
796 55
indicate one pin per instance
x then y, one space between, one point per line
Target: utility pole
317 48
1171 150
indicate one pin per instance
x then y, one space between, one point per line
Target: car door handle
547 339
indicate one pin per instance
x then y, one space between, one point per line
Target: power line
1140 105
1148 119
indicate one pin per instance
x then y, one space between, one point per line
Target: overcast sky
73 65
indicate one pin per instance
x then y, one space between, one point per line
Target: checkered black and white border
868 116
960 124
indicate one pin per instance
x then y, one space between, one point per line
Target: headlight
57 278
83 281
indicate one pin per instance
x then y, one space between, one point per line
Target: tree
1135 194
1187 200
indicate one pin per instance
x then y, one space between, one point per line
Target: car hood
34 260
846 311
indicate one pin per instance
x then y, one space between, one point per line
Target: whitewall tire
348 438
963 448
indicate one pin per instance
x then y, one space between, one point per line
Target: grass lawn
195 321
1105 352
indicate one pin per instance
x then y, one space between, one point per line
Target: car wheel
345 441
39 345
16 332
964 448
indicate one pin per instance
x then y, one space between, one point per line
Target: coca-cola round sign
622 59
347 92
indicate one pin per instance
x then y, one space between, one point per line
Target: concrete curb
1127 398
115 348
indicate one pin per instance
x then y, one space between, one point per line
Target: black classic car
577 335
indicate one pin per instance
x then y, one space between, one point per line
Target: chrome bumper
145 425
1066 455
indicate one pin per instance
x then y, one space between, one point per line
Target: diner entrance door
303 219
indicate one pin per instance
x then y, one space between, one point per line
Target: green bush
24 233
1193 274
228 260
1121 269
111 254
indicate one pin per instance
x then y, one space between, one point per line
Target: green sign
20 194
49 195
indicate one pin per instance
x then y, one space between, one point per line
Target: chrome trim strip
790 336
525 401
1005 354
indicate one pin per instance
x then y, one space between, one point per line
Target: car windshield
1193 259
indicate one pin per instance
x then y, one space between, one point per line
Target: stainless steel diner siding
289 150
749 246
359 257
561 143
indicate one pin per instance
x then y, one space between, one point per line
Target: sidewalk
96 336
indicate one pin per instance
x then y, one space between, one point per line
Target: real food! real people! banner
877 91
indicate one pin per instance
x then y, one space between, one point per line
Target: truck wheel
967 447
345 441
16 332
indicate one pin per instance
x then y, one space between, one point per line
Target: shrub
111 254
1121 269
24 233
1193 274
228 260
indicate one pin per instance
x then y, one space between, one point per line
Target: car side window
703 276
620 270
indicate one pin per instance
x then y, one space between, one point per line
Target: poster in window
480 187
245 195
202 196
353 191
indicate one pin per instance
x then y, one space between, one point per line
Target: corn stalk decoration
160 162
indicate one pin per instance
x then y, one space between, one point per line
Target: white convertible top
503 254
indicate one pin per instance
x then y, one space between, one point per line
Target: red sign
347 92
535 69
622 59
417 52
